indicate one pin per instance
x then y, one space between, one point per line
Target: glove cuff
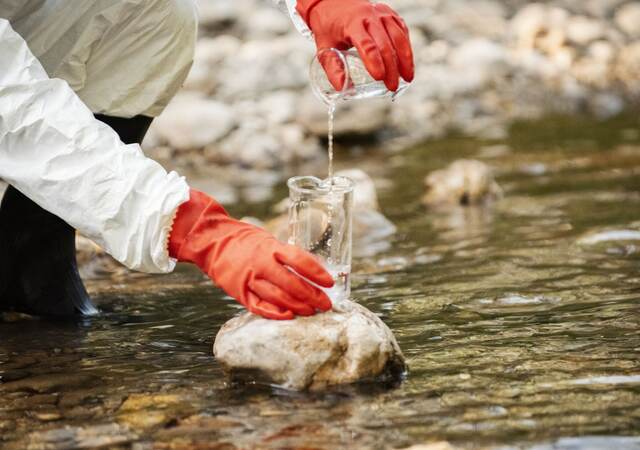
187 217
304 8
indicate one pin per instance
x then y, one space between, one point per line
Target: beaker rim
340 184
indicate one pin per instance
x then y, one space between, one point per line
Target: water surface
520 323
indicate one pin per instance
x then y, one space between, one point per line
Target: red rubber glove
248 263
378 33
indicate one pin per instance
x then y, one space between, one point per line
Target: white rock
602 51
213 51
583 30
477 17
628 66
592 72
463 182
628 19
265 65
192 122
209 56
478 53
93 261
267 22
600 8
217 13
365 196
605 105
278 107
609 236
338 347
540 26
358 118
476 62
248 147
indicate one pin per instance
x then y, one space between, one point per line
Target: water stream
331 113
520 323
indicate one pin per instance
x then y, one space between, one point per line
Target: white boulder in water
463 182
609 236
345 345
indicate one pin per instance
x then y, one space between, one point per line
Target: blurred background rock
481 64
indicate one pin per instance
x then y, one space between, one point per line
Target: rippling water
520 323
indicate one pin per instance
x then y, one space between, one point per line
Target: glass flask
320 221
359 84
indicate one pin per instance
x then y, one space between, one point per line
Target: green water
515 334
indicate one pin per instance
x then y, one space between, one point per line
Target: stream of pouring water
332 110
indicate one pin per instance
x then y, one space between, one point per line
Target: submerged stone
345 345
464 182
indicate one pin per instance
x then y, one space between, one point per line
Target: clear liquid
332 110
341 288
375 89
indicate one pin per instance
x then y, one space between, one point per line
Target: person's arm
56 153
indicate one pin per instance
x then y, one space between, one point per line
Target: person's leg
38 269
39 261
130 61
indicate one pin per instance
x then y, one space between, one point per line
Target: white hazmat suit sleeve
289 6
56 153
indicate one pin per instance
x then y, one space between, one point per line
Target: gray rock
342 346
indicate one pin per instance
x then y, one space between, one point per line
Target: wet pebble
47 416
49 382
77 437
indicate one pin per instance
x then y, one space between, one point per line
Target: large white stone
342 346
540 26
463 182
192 122
582 30
351 118
264 23
628 19
210 53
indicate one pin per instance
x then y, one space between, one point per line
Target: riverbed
520 322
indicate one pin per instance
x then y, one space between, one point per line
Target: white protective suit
60 62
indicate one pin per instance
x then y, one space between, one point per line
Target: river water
520 323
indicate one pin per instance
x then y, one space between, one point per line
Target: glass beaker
320 221
358 84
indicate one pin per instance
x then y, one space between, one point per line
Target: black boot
38 269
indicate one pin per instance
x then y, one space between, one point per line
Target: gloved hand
378 33
248 263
